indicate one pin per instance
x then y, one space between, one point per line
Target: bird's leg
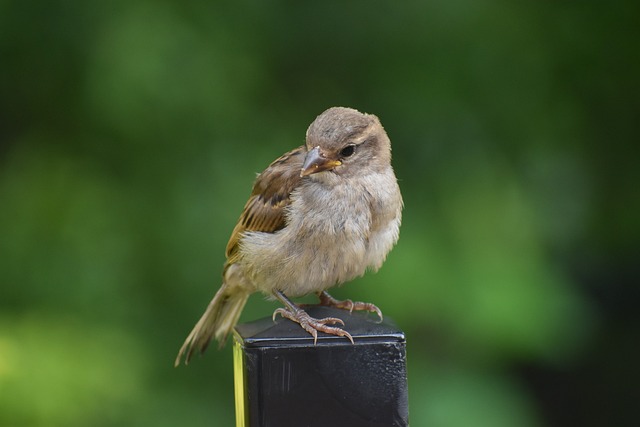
328 300
308 323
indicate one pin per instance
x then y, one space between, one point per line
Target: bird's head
346 142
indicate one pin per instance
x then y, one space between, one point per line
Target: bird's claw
313 325
328 300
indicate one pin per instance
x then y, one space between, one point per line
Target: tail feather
218 320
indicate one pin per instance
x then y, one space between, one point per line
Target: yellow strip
238 380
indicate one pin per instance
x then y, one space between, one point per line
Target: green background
130 134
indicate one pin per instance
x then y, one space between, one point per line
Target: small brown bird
319 216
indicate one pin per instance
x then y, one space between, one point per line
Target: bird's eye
348 150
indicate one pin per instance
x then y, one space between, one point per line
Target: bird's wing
265 209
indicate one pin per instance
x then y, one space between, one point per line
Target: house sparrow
319 216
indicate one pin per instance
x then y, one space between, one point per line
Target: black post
283 380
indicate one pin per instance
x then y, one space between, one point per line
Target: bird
320 215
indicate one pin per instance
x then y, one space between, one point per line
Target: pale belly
302 266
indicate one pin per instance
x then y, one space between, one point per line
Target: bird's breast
328 240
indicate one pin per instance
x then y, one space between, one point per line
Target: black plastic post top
283 380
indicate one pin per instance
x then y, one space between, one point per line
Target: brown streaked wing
264 211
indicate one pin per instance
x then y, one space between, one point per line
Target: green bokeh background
130 133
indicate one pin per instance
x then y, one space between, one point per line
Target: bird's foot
313 325
328 300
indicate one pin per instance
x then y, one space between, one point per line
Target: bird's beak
316 161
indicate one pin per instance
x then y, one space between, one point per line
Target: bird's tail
217 321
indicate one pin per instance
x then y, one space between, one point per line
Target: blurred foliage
130 133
